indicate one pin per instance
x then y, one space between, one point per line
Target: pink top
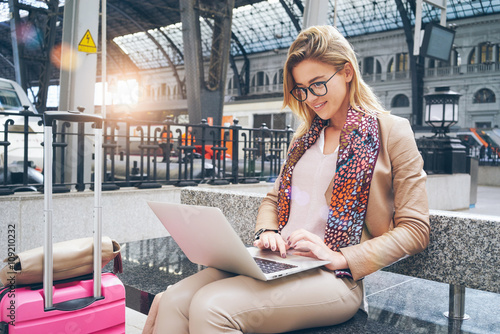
311 177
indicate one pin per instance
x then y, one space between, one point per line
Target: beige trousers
214 301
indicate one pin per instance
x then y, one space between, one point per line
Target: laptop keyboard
269 266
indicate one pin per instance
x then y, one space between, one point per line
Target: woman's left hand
305 243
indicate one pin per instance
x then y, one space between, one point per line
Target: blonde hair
327 45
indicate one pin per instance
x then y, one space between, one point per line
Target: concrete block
448 191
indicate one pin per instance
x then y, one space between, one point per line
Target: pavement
134 321
393 298
488 201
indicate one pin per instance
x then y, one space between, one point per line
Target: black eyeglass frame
311 90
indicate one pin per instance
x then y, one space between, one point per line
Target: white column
79 76
78 72
315 13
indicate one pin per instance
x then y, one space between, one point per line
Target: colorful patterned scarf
357 155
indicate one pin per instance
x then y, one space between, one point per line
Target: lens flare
29 35
65 57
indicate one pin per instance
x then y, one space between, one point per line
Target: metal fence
449 155
142 154
486 156
146 154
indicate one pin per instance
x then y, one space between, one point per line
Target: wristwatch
262 230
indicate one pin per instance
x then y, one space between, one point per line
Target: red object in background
209 153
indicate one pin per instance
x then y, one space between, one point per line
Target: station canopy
144 33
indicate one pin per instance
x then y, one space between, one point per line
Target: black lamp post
441 110
442 154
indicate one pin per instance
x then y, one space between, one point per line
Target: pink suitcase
94 304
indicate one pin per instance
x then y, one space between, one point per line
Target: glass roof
5 12
266 25
263 26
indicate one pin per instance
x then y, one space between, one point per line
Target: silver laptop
207 238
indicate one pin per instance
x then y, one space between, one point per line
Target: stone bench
463 250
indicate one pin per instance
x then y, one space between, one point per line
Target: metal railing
148 154
20 147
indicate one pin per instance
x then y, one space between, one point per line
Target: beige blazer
397 217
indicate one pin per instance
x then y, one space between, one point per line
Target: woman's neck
338 120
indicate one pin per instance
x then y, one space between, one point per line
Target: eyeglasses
316 88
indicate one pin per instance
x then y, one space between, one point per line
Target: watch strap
262 230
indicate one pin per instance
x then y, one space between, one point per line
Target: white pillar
315 13
78 71
79 77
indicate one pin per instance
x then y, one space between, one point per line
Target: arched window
260 79
390 67
485 55
402 62
278 77
485 52
484 95
472 57
443 63
368 65
437 63
400 101
371 66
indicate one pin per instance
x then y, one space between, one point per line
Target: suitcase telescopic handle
71 116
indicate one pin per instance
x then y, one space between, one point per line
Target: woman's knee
205 300
175 298
211 307
180 294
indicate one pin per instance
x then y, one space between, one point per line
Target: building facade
473 71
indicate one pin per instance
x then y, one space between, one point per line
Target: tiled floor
414 305
402 304
134 321
488 201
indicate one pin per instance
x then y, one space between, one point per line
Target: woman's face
333 105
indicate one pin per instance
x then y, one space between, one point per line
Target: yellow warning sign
87 44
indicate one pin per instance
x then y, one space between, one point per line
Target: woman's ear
348 71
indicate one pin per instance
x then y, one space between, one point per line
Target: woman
357 199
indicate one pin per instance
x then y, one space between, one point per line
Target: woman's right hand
273 241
